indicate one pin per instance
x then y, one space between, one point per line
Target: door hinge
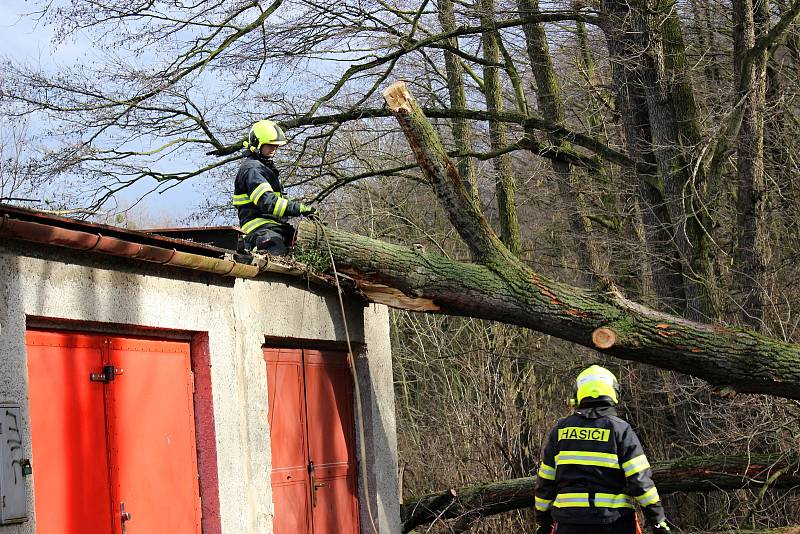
108 374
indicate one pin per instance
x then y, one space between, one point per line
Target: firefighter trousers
272 239
625 525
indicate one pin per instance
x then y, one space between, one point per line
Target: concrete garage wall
374 369
47 284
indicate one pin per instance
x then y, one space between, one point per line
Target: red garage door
311 431
112 426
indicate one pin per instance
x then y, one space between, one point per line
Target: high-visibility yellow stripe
280 207
543 505
240 200
635 465
600 459
649 497
601 500
259 191
249 226
546 472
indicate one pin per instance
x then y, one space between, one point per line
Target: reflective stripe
256 223
606 379
600 459
546 472
280 207
259 191
601 500
543 505
649 497
240 200
635 465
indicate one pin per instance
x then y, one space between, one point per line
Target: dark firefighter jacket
258 195
593 469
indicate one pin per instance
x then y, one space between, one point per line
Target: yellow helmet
264 132
597 382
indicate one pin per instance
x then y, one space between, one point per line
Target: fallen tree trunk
779 530
694 474
405 278
501 287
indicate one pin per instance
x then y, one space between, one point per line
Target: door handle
124 516
108 374
314 484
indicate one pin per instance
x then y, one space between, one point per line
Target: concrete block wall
42 285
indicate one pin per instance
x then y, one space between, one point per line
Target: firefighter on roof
258 196
593 468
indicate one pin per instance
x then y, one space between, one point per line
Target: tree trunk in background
595 111
750 22
498 134
695 474
651 22
548 94
458 98
689 139
626 79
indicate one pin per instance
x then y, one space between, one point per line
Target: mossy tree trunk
458 99
626 71
502 288
696 474
645 40
751 20
551 105
505 181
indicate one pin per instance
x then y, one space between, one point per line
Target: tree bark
548 94
750 22
646 42
458 98
626 70
501 287
694 474
505 182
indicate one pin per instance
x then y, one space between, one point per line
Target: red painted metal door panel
151 436
312 436
97 444
329 407
71 477
287 423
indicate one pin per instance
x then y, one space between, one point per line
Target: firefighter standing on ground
258 196
593 468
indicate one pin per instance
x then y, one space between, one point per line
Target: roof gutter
85 241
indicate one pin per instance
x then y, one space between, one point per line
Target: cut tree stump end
398 97
604 338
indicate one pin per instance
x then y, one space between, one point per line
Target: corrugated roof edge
37 227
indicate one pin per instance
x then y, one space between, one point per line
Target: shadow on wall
377 442
355 318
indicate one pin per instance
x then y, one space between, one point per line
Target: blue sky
27 41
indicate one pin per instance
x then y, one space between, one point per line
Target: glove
661 527
306 210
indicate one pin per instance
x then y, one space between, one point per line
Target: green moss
317 260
